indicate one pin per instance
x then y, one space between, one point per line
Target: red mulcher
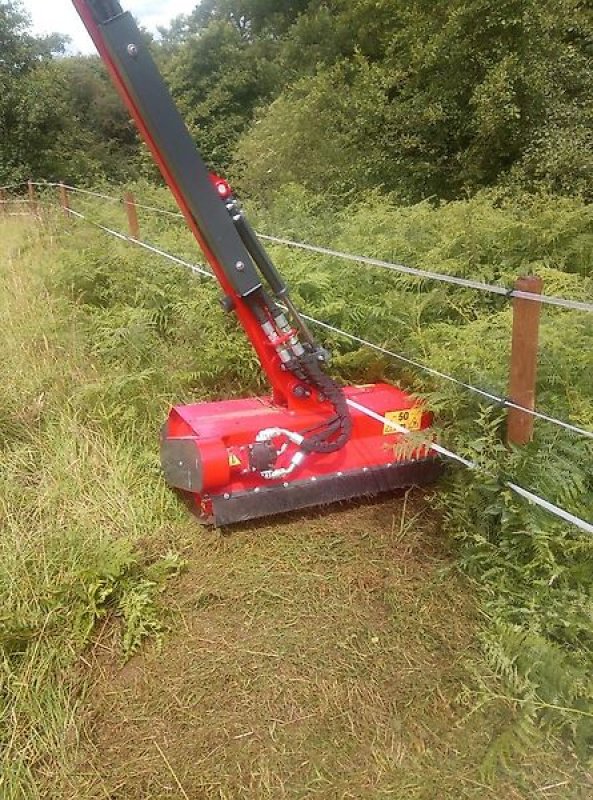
306 444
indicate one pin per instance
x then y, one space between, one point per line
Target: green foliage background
455 136
419 99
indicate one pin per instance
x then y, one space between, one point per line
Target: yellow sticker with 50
409 418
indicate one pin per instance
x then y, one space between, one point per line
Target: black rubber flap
243 506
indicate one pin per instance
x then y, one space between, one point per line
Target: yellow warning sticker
410 418
234 461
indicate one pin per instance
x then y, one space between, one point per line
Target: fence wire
520 491
503 291
487 395
468 283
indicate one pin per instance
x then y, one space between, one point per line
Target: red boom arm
283 381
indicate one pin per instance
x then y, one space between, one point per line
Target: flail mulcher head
308 443
242 459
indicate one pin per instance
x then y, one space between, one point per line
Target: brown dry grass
323 656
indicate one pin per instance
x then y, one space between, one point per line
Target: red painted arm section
281 381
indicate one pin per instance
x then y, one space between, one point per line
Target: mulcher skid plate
205 453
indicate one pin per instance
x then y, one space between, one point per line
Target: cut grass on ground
323 656
328 655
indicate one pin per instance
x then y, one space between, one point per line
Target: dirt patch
319 657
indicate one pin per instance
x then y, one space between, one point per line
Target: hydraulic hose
341 425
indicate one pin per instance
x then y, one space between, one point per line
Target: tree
29 102
96 139
420 98
218 79
59 117
325 133
466 93
251 17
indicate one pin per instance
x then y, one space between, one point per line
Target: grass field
330 654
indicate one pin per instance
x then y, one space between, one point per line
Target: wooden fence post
32 197
524 354
133 225
64 199
3 203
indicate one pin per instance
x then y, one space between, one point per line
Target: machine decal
410 418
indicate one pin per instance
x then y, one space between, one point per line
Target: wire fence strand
110 198
503 291
489 396
198 270
492 288
520 491
526 494
88 192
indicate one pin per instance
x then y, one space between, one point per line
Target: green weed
114 336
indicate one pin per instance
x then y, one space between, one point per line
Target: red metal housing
205 454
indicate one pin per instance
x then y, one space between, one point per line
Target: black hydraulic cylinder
268 270
262 259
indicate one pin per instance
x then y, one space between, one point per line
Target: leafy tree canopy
418 98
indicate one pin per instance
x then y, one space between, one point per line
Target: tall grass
74 500
520 557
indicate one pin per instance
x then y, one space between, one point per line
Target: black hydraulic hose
337 430
341 424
